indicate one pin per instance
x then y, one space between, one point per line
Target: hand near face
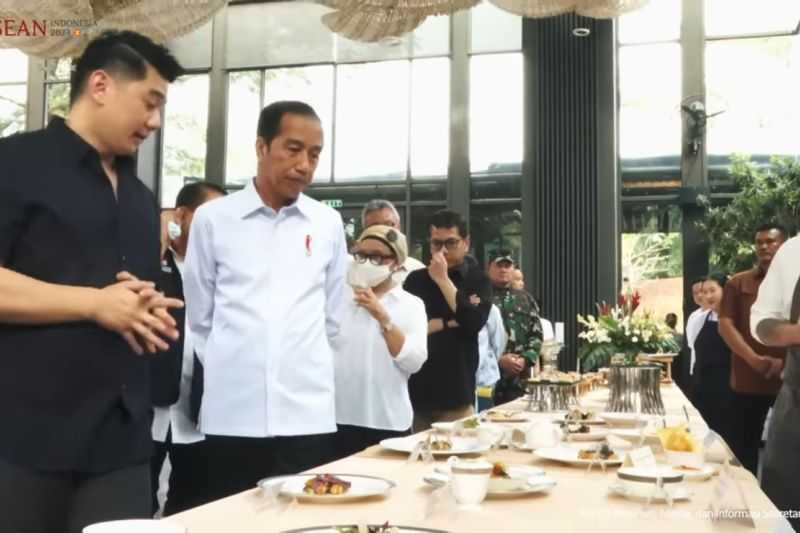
438 267
366 298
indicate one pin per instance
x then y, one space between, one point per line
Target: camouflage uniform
521 320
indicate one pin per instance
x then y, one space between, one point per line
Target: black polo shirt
74 396
447 379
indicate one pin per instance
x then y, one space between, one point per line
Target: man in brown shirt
755 368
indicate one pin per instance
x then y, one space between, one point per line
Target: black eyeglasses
375 259
450 244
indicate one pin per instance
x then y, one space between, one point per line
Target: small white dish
593 435
678 492
533 485
568 455
704 473
135 526
460 445
361 487
625 419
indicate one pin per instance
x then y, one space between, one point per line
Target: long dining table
580 502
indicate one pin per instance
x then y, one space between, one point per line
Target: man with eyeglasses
458 297
381 343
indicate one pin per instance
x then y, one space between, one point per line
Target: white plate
449 427
706 472
461 445
627 433
625 419
678 493
569 455
512 418
518 477
533 485
638 474
595 434
135 526
341 528
360 487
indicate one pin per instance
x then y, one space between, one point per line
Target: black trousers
46 502
353 439
236 464
750 411
188 477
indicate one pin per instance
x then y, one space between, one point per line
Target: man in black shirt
458 297
79 249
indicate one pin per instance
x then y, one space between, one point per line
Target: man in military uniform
523 325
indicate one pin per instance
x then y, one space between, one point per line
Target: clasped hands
138 312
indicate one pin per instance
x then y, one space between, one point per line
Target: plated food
678 439
438 443
327 488
445 445
496 415
603 453
326 484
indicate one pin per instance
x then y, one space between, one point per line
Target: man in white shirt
774 322
174 433
263 283
383 212
492 341
695 323
383 341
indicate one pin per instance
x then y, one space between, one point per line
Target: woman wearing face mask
713 366
382 342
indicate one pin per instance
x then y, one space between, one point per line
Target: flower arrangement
621 330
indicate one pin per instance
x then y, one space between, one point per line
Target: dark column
570 182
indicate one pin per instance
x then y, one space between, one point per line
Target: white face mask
364 275
173 230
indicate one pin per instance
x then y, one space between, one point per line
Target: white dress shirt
776 291
177 415
263 293
693 326
371 385
492 341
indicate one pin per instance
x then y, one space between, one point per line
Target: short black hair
701 279
719 278
447 218
269 121
671 320
193 195
125 53
769 226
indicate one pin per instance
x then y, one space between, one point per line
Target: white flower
635 339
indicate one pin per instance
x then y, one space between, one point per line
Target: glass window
57 100
389 48
659 20
184 135
15 66
57 69
313 85
652 256
740 17
494 30
12 109
649 116
432 37
193 50
276 34
496 227
756 83
371 138
430 117
244 101
495 129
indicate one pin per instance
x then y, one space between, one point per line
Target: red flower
636 299
621 300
